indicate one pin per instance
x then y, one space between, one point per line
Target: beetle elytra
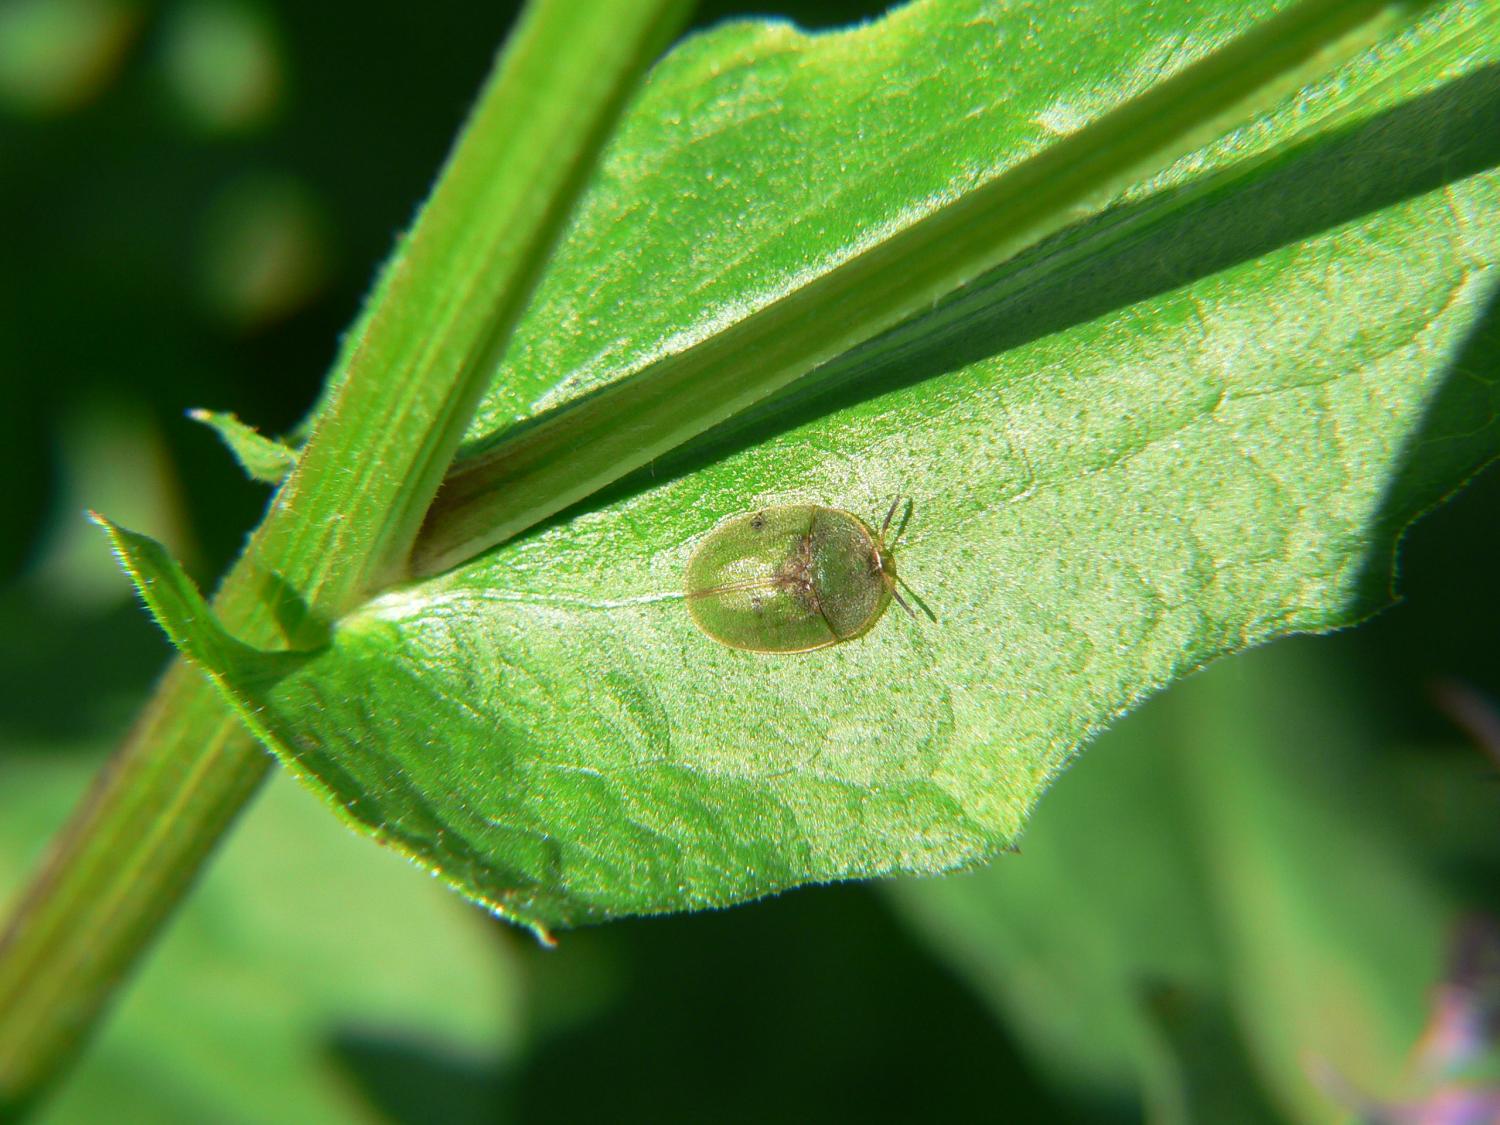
792 578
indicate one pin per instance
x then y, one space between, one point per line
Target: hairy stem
411 373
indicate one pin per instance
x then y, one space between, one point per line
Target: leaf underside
1195 440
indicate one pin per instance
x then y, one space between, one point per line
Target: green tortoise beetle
792 578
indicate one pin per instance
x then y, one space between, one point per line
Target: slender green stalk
408 380
538 469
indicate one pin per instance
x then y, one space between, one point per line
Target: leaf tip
118 542
263 459
545 937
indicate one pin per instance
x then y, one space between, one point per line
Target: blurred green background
1239 905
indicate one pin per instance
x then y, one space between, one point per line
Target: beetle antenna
904 505
926 609
886 523
895 593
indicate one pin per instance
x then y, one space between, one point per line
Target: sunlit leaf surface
1137 453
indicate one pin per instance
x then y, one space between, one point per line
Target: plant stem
533 471
115 873
411 372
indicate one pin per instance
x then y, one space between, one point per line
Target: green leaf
184 615
844 256
264 459
1186 424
